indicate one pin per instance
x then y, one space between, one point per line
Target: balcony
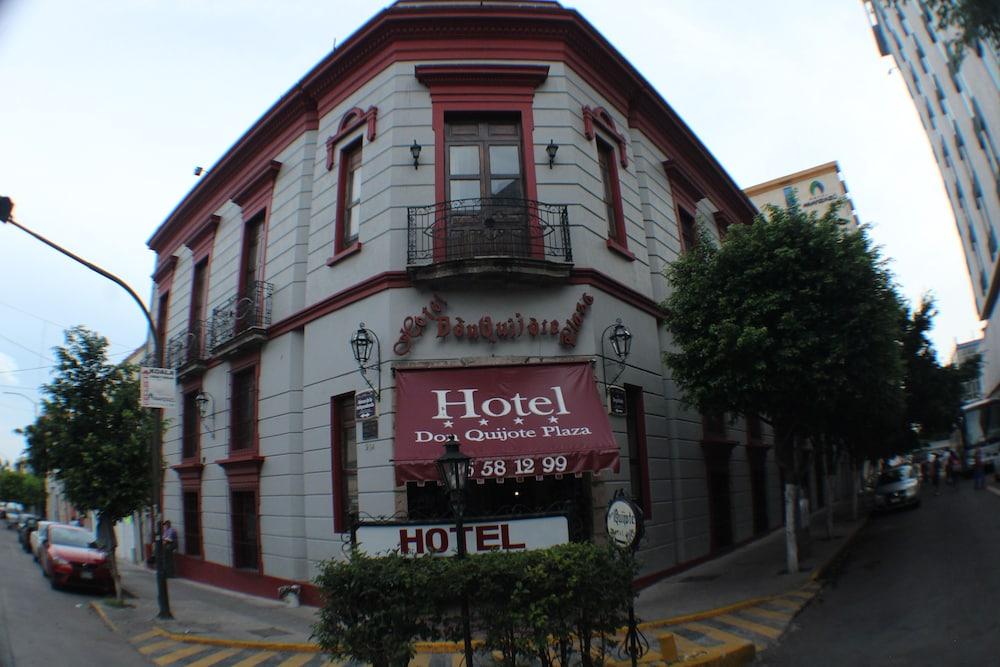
492 239
240 324
186 352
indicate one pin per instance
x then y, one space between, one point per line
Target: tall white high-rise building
958 100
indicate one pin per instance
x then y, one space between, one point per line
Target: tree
974 20
769 322
22 486
933 392
96 436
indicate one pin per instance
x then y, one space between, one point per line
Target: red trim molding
201 240
352 249
242 581
164 273
243 472
351 121
189 474
253 194
494 77
681 180
600 117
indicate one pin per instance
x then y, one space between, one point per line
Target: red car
70 556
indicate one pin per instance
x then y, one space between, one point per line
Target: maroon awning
514 421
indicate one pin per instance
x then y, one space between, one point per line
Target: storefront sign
616 401
514 421
157 387
411 539
488 328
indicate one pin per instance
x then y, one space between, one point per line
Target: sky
108 105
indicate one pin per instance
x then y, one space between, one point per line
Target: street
919 587
40 626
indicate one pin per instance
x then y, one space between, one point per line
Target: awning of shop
514 421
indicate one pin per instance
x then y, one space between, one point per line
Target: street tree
768 322
973 20
933 392
22 486
96 435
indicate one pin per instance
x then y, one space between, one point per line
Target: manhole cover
269 632
699 578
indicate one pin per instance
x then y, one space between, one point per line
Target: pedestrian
936 474
169 547
979 471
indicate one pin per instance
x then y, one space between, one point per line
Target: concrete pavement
721 612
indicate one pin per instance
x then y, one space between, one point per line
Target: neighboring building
399 184
973 389
959 105
815 190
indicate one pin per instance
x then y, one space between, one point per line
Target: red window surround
485 89
352 121
203 238
243 465
686 193
595 119
722 223
341 515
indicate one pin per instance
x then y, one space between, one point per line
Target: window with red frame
252 255
638 468
713 426
161 323
611 191
345 462
348 212
191 433
689 231
192 524
244 517
199 296
243 424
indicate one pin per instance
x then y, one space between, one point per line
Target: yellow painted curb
240 643
728 657
701 615
103 616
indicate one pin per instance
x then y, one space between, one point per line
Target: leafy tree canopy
792 318
23 487
95 436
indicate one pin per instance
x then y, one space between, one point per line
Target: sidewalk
720 612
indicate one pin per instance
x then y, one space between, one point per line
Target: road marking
180 654
755 628
297 660
784 616
210 660
158 646
685 646
993 489
144 636
788 604
255 659
804 595
723 636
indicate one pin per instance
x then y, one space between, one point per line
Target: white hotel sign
411 539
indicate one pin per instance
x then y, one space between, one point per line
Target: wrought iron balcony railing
188 348
241 314
489 227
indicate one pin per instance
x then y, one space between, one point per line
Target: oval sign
624 523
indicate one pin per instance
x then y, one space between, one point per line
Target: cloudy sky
107 107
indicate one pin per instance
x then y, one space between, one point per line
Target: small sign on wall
617 405
369 429
365 405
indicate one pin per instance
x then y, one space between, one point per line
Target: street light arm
96 269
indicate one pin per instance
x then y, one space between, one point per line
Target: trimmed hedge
545 605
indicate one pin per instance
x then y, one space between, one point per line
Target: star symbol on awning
484 422
518 420
448 424
553 420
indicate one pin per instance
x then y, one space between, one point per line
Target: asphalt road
40 626
919 587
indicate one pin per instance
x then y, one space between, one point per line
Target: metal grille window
192 524
345 462
243 413
244 517
192 427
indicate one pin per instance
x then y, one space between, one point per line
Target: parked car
71 556
898 487
12 514
37 539
27 525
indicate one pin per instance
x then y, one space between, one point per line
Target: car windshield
894 475
70 537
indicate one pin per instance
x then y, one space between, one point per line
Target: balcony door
487 215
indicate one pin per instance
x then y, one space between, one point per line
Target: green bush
536 605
